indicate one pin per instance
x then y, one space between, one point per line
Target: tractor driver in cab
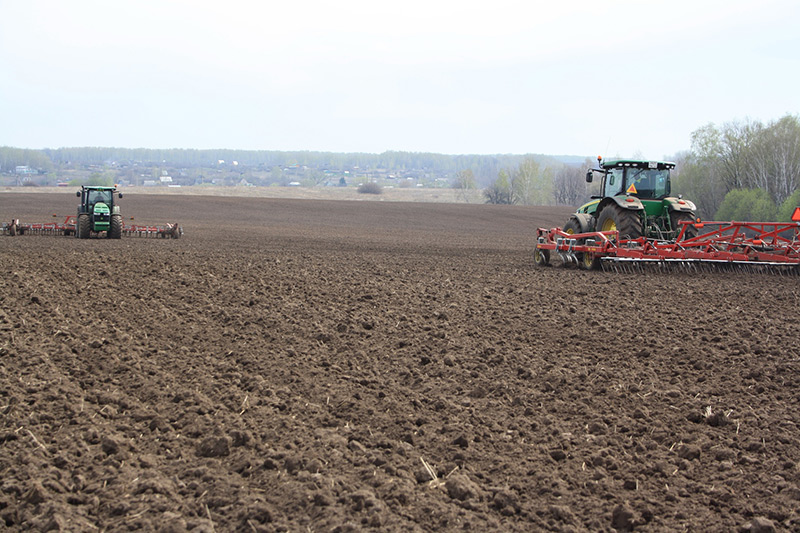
99 196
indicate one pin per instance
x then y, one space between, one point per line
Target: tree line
743 170
484 167
534 183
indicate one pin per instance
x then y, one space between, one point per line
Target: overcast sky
458 77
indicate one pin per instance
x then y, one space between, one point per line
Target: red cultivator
68 228
748 246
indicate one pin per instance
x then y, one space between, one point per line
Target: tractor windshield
647 183
100 196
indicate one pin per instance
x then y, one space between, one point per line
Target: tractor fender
585 221
678 204
631 203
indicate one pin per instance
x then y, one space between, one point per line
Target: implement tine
657 264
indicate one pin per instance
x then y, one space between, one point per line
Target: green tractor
97 212
634 200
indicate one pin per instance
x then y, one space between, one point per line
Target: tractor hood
101 208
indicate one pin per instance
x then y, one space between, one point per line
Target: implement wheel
589 262
541 257
627 223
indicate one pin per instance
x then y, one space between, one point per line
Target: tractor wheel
680 216
84 227
115 229
541 257
572 227
12 230
627 223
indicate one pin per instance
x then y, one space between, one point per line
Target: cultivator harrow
753 247
69 225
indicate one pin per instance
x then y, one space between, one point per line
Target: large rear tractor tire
627 223
679 216
115 228
84 227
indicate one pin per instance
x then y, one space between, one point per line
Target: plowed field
308 365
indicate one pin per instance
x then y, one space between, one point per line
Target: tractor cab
643 179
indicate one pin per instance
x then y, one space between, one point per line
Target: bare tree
464 183
531 184
499 191
569 184
774 163
747 155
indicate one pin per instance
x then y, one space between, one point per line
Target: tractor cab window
99 196
649 183
614 182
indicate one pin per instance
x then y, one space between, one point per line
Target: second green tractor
97 213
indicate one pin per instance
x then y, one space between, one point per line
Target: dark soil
296 365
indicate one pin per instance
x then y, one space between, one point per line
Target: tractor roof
98 188
661 165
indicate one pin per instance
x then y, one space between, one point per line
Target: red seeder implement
67 228
749 246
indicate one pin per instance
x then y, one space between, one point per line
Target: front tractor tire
572 227
84 227
115 228
615 218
